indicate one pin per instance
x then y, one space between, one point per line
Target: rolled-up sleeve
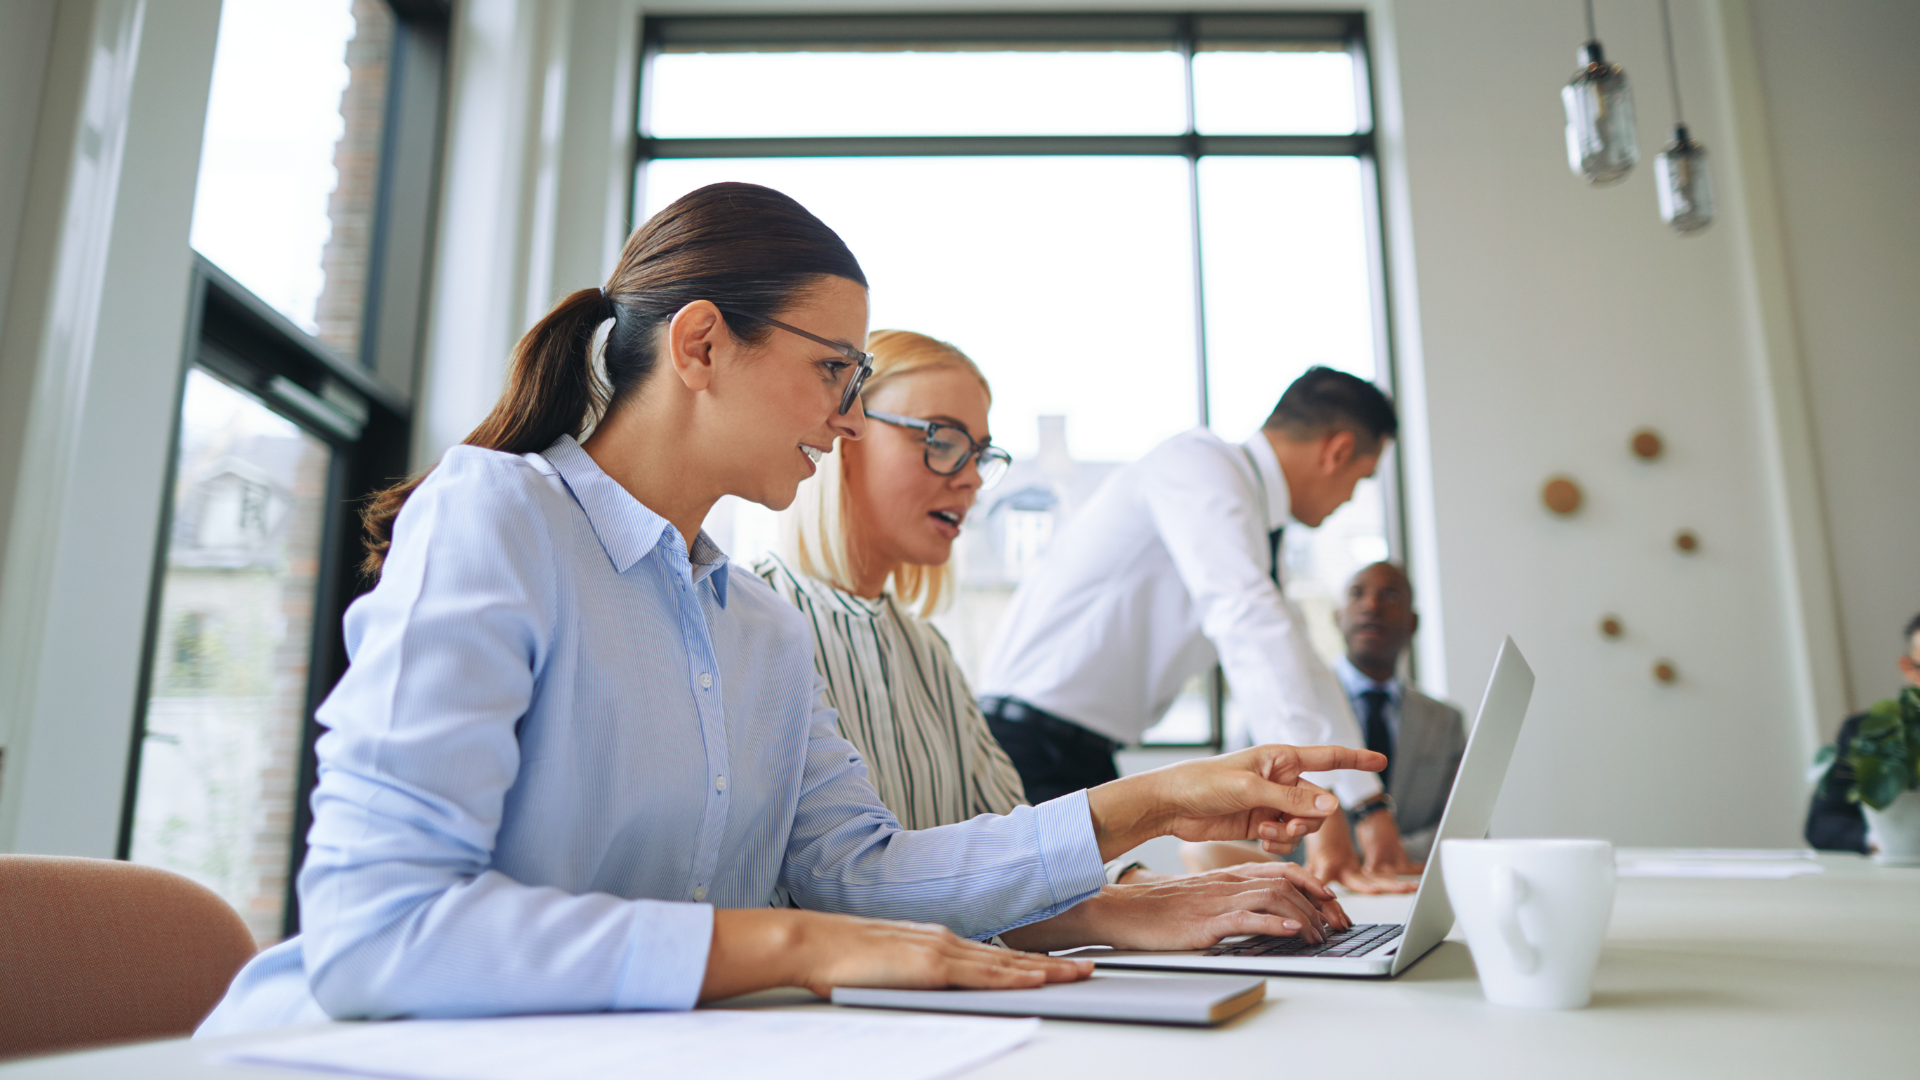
979 877
401 913
1199 504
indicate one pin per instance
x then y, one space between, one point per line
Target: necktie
1379 739
1273 545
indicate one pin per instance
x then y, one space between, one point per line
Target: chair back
96 951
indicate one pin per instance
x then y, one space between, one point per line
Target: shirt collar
827 593
1358 682
626 529
1267 464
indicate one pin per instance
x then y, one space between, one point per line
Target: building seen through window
290 159
228 695
1131 234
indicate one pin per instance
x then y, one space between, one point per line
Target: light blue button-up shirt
564 741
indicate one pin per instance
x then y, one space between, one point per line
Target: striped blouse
903 703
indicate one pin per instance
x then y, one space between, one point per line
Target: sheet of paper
1735 854
642 1046
1717 868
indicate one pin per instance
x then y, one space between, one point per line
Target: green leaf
1882 718
1825 756
1877 784
1885 752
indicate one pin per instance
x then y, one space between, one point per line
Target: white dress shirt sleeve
978 878
1211 525
400 913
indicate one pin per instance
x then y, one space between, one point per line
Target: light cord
1590 32
1673 70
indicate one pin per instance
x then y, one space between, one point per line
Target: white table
1803 977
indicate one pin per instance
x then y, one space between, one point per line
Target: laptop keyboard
1360 939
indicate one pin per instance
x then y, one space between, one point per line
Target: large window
316 168
1134 224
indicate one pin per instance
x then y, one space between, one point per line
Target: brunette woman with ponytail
574 758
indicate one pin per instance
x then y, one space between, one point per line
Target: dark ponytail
737 245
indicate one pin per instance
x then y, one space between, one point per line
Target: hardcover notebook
1197 1000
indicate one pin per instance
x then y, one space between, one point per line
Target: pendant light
1601 145
1680 172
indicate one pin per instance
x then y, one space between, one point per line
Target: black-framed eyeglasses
949 448
862 362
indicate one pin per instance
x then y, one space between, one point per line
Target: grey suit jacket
1433 736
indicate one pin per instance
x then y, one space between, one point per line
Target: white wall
1840 81
1552 320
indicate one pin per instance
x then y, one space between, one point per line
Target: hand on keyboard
1356 941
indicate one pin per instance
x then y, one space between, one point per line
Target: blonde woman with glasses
866 559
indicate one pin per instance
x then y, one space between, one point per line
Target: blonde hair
814 530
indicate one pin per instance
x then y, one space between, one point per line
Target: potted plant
1885 758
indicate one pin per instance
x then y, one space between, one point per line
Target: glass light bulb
1685 184
1601 145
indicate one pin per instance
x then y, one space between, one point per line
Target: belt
1015 711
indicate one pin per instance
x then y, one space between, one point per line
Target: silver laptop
1384 948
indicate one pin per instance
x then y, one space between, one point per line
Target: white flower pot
1896 830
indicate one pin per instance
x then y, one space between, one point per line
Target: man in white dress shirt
1173 566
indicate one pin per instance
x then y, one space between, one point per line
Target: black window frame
360 405
1186 32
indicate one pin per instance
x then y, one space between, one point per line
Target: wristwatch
1382 801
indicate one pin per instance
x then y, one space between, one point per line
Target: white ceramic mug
1535 913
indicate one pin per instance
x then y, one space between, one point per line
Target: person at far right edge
1173 566
1833 823
1423 739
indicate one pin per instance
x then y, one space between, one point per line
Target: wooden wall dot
1686 541
1663 670
1647 444
1562 495
1610 626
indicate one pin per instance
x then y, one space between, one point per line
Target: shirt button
719 783
699 893
706 681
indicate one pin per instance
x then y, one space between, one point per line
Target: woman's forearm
1078 925
752 949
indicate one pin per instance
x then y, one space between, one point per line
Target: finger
1057 968
1329 758
1282 902
1282 899
1374 884
1337 916
1393 883
1014 969
1234 923
1289 799
1290 829
978 974
1306 882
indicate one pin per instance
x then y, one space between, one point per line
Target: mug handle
1509 889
